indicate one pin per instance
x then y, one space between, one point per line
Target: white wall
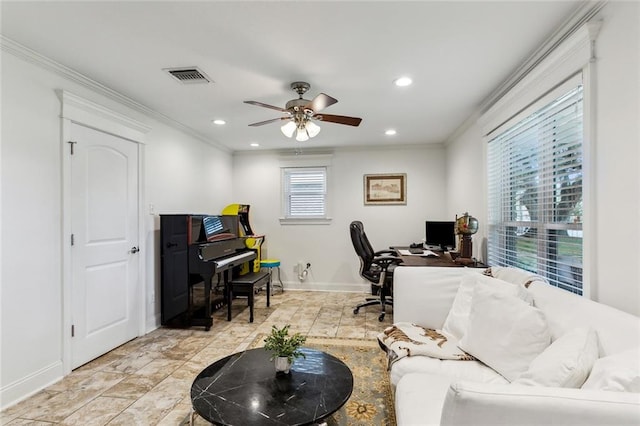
465 184
31 269
182 174
616 174
617 156
334 265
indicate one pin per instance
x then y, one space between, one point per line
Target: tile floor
147 381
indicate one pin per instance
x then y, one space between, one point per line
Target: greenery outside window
535 188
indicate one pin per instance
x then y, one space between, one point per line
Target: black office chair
376 267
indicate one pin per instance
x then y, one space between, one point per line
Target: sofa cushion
456 322
414 393
566 363
514 275
619 373
467 370
617 331
504 332
470 403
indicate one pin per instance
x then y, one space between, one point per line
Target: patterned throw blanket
406 339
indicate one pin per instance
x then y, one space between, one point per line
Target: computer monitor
440 233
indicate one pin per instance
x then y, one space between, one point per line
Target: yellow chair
270 264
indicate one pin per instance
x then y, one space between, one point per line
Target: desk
442 260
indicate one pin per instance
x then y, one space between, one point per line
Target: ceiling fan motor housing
298 105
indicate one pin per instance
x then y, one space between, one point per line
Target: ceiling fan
301 113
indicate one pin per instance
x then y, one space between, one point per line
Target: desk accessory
466 226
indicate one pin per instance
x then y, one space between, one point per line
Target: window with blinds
535 192
305 192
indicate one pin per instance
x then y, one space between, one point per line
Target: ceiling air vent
189 75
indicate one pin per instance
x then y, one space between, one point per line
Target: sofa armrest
488 404
424 295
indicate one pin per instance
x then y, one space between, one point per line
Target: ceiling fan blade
340 119
320 102
273 120
256 103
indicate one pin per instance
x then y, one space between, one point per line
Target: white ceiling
456 52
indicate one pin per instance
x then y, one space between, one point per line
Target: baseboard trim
335 287
152 323
29 385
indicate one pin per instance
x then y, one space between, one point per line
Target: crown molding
582 15
574 23
18 50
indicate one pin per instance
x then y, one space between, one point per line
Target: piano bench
245 285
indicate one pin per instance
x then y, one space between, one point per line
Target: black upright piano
194 249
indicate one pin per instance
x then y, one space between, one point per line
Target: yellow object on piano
242 211
244 230
255 242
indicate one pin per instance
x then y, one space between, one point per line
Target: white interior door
104 258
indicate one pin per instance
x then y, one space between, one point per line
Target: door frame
78 110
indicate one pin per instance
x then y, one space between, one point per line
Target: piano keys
194 249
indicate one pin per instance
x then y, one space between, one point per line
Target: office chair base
370 301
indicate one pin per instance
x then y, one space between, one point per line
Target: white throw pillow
619 373
566 363
515 275
456 322
504 332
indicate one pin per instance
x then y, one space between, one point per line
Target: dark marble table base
243 389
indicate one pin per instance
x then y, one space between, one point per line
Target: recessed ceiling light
390 132
403 81
254 144
219 122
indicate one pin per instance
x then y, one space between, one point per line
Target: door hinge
71 144
73 239
73 331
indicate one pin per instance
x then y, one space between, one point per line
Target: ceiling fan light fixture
300 113
302 135
312 128
288 129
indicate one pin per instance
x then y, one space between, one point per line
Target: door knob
134 250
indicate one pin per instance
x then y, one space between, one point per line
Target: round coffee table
243 389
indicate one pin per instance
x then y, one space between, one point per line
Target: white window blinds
305 191
535 192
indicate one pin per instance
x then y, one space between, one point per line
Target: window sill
305 221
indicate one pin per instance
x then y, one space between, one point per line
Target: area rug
371 402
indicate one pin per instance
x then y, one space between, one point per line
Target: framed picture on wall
385 189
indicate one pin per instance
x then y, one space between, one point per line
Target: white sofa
431 391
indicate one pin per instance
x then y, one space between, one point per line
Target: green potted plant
284 348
